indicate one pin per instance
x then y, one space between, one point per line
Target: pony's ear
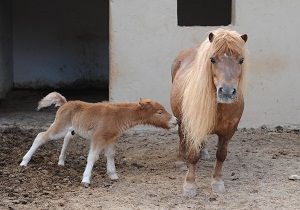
211 36
245 37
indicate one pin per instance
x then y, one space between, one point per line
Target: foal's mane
199 105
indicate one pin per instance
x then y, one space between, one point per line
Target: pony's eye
241 60
212 60
159 112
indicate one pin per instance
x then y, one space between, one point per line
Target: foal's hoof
204 154
218 186
23 163
181 165
85 184
61 163
189 190
113 176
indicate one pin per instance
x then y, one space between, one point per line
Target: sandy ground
255 173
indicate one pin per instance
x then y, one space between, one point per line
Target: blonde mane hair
199 104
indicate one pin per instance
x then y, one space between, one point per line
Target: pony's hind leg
217 182
110 164
189 186
180 162
55 131
62 156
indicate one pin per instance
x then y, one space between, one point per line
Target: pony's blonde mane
199 105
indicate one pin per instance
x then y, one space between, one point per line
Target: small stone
263 127
23 202
16 201
294 177
279 129
212 199
232 174
45 171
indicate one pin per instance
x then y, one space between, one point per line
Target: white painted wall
145 39
6 75
59 42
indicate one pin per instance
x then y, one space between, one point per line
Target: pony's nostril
220 89
233 91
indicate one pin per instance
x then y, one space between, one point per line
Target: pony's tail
52 98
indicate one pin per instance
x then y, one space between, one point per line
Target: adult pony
207 98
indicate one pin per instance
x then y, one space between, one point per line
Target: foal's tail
52 98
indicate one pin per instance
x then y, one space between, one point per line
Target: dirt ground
255 173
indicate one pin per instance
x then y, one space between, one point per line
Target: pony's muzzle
226 94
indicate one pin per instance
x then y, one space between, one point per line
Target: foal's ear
245 37
144 103
211 36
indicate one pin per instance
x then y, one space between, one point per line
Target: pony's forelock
199 105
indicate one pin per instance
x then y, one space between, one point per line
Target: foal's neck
128 115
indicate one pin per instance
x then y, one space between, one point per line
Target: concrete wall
145 39
6 75
60 43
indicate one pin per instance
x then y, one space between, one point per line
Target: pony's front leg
217 181
180 162
110 164
189 186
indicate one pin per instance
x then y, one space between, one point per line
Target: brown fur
102 123
194 98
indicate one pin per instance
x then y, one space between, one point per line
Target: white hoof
24 163
61 163
86 181
204 154
113 176
218 186
189 190
181 165
86 184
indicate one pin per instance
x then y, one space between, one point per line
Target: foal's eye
212 60
159 112
241 60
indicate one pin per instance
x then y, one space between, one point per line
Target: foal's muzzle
226 94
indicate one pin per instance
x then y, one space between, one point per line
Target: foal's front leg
189 186
217 182
110 164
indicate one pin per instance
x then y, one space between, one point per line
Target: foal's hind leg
217 182
55 131
180 162
62 156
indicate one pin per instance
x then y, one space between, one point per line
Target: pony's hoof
218 186
113 176
204 154
189 190
181 165
85 184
